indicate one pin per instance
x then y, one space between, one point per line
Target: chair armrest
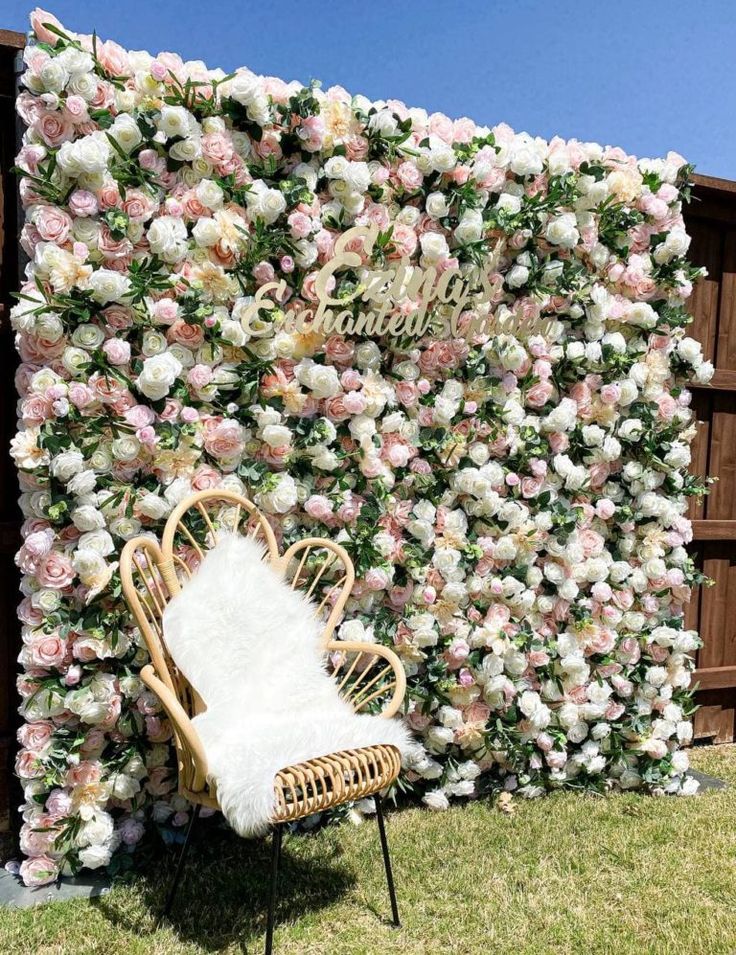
192 758
367 671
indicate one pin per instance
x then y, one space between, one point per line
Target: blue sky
647 75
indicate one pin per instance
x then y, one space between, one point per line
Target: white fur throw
250 646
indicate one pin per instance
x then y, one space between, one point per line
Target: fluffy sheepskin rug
250 646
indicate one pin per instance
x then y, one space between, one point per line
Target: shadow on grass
223 895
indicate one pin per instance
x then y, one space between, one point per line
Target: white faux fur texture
250 646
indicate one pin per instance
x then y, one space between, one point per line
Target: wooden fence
711 221
712 224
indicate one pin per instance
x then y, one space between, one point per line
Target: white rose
276 435
158 375
167 237
244 88
336 167
87 518
562 230
94 857
322 380
442 157
470 227
434 246
641 313
209 193
436 205
436 800
282 497
174 121
108 286
264 203
525 158
509 203
153 506
517 276
367 355
66 464
88 155
357 176
125 132
206 232
690 350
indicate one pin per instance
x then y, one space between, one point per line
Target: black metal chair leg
387 860
180 864
275 859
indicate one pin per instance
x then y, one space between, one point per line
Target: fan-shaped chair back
153 574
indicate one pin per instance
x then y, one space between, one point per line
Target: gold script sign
403 301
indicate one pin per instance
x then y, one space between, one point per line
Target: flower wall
515 504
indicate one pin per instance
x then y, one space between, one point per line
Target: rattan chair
370 676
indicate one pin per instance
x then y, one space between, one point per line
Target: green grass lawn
569 873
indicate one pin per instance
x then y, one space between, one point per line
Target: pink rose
85 773
28 764
40 870
59 803
53 224
376 579
114 58
605 508
628 650
407 393
409 176
54 128
610 394
76 108
318 507
117 351
300 225
463 130
339 350
55 571
139 416
83 203
48 651
38 837
263 272
40 20
74 674
205 478
465 678
441 126
181 332
404 241
354 402
540 393
217 147
35 735
131 831
457 652
226 440
199 376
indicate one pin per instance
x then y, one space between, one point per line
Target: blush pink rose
35 735
53 224
40 870
48 651
205 478
55 571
